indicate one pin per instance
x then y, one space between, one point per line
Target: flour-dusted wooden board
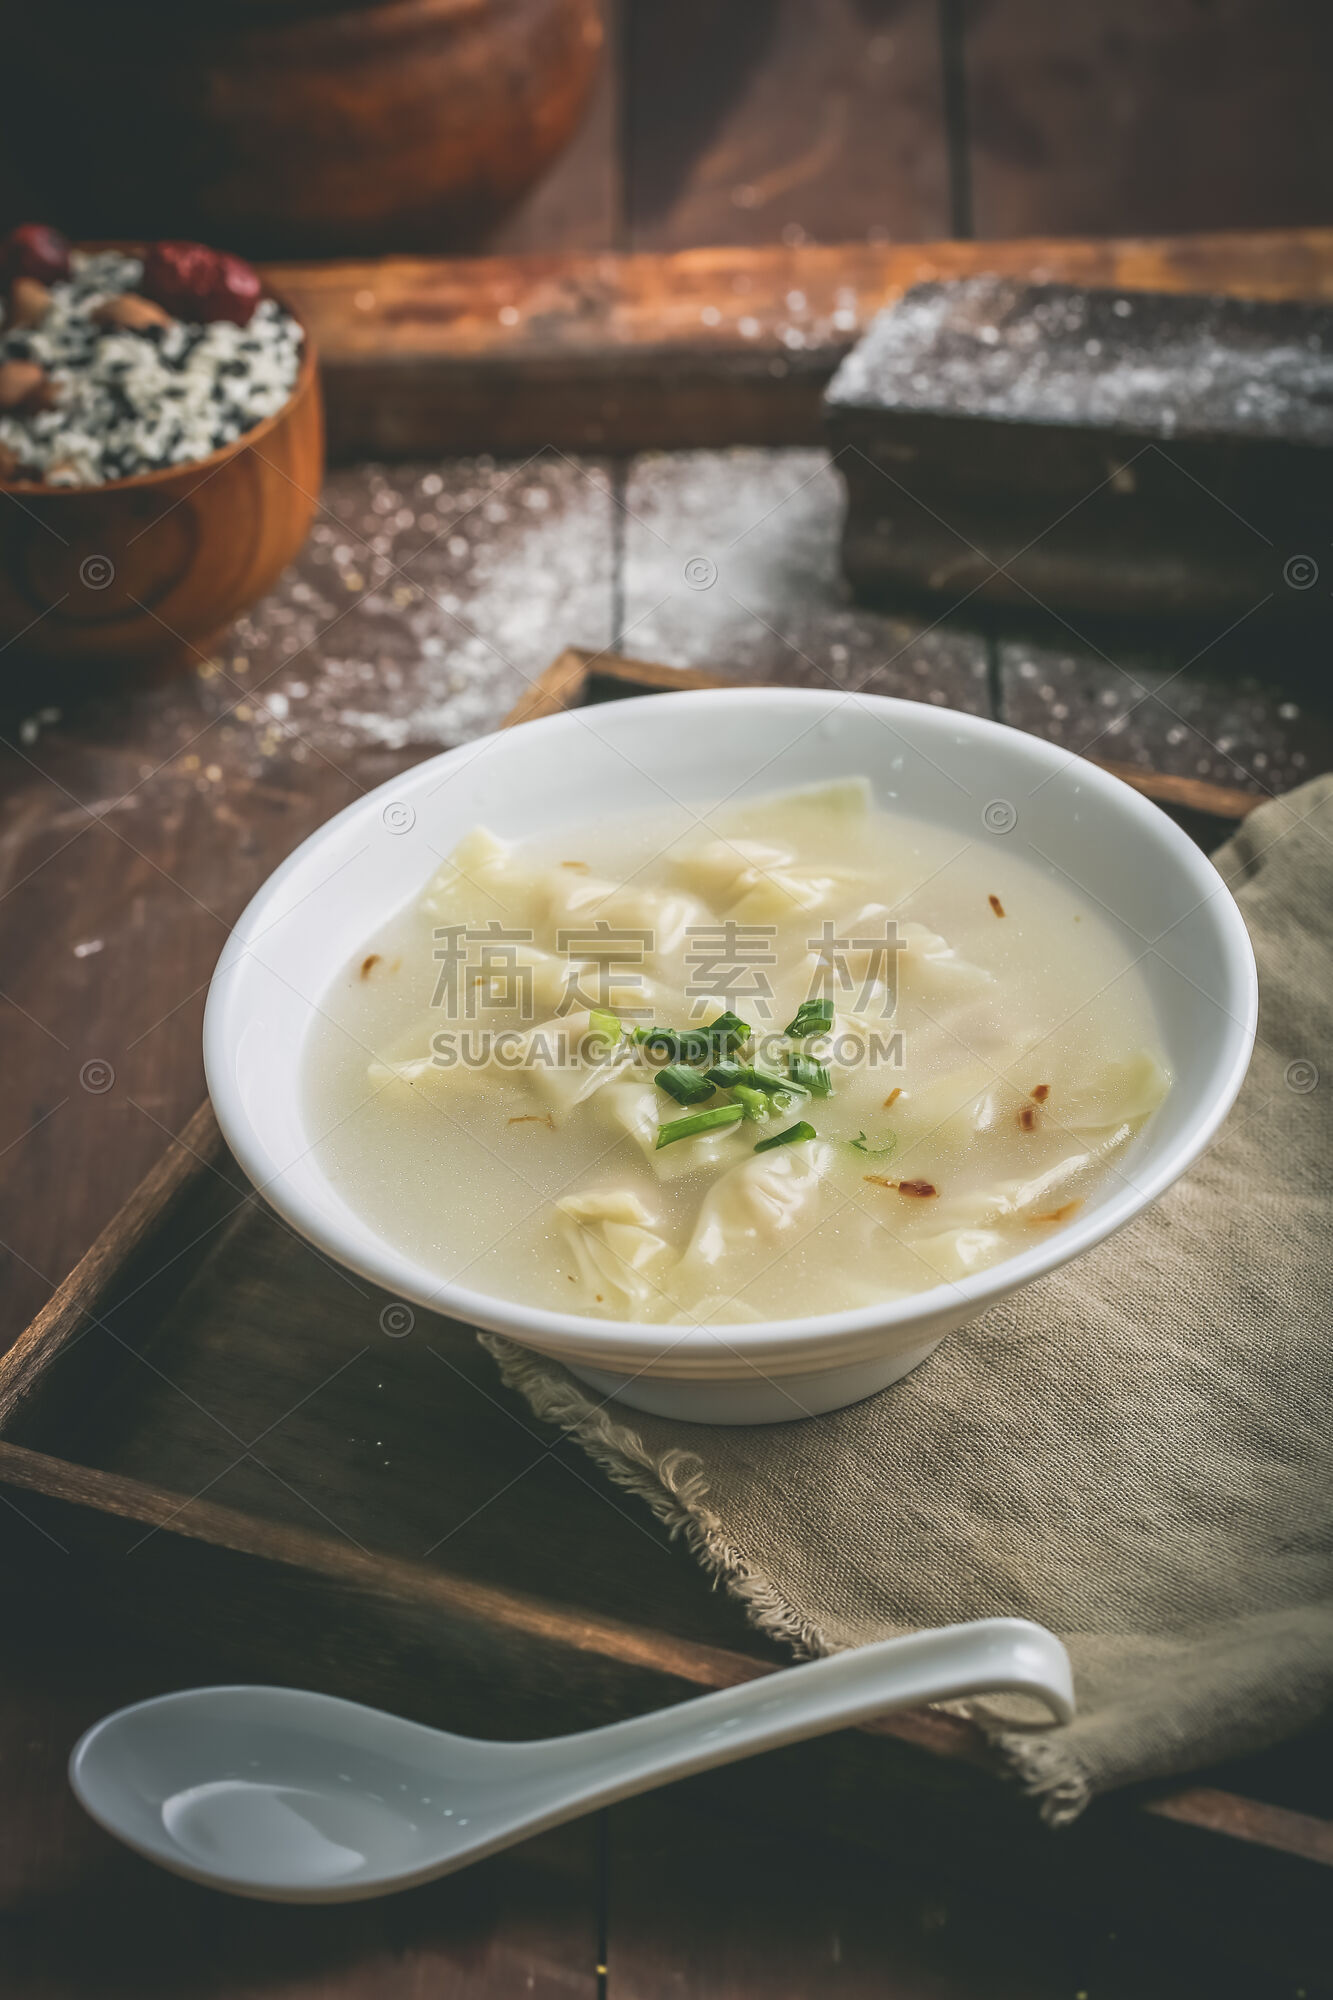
250 1455
590 351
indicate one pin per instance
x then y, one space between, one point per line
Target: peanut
130 313
24 385
29 302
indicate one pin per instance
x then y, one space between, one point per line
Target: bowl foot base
759 1399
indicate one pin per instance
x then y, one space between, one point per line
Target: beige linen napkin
1135 1451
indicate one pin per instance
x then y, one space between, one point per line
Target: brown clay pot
291 127
143 573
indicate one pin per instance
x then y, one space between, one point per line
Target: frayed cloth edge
1047 1771
672 1485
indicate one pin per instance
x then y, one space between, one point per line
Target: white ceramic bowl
669 754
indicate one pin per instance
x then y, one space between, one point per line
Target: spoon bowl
292 1796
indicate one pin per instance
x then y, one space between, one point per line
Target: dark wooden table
137 822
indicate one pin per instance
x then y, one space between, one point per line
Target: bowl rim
144 481
600 1341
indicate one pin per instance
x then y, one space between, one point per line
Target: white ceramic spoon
302 1798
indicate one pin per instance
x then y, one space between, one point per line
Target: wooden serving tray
248 1455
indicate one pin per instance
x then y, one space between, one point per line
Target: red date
34 250
195 283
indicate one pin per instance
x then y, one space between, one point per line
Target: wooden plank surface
700 347
782 122
527 1922
1177 116
776 1882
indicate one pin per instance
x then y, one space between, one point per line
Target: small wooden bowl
144 572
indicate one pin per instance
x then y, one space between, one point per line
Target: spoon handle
956 1661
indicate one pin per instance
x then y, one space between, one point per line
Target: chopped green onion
880 1149
719 1040
728 1032
685 1085
604 1024
730 1075
809 1075
763 1103
813 1017
711 1120
767 1079
793 1133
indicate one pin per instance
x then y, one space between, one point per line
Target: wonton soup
811 1056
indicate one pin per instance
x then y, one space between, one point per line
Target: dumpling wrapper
480 883
783 893
577 902
635 1106
749 1218
565 1062
722 870
1119 1092
610 1234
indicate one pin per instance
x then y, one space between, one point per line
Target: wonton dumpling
953 1253
409 1061
668 916
950 1108
1121 1091
783 893
911 957
574 902
565 1062
478 884
520 970
750 1212
722 870
1009 1198
932 966
569 897
615 1249
425 1074
637 1107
